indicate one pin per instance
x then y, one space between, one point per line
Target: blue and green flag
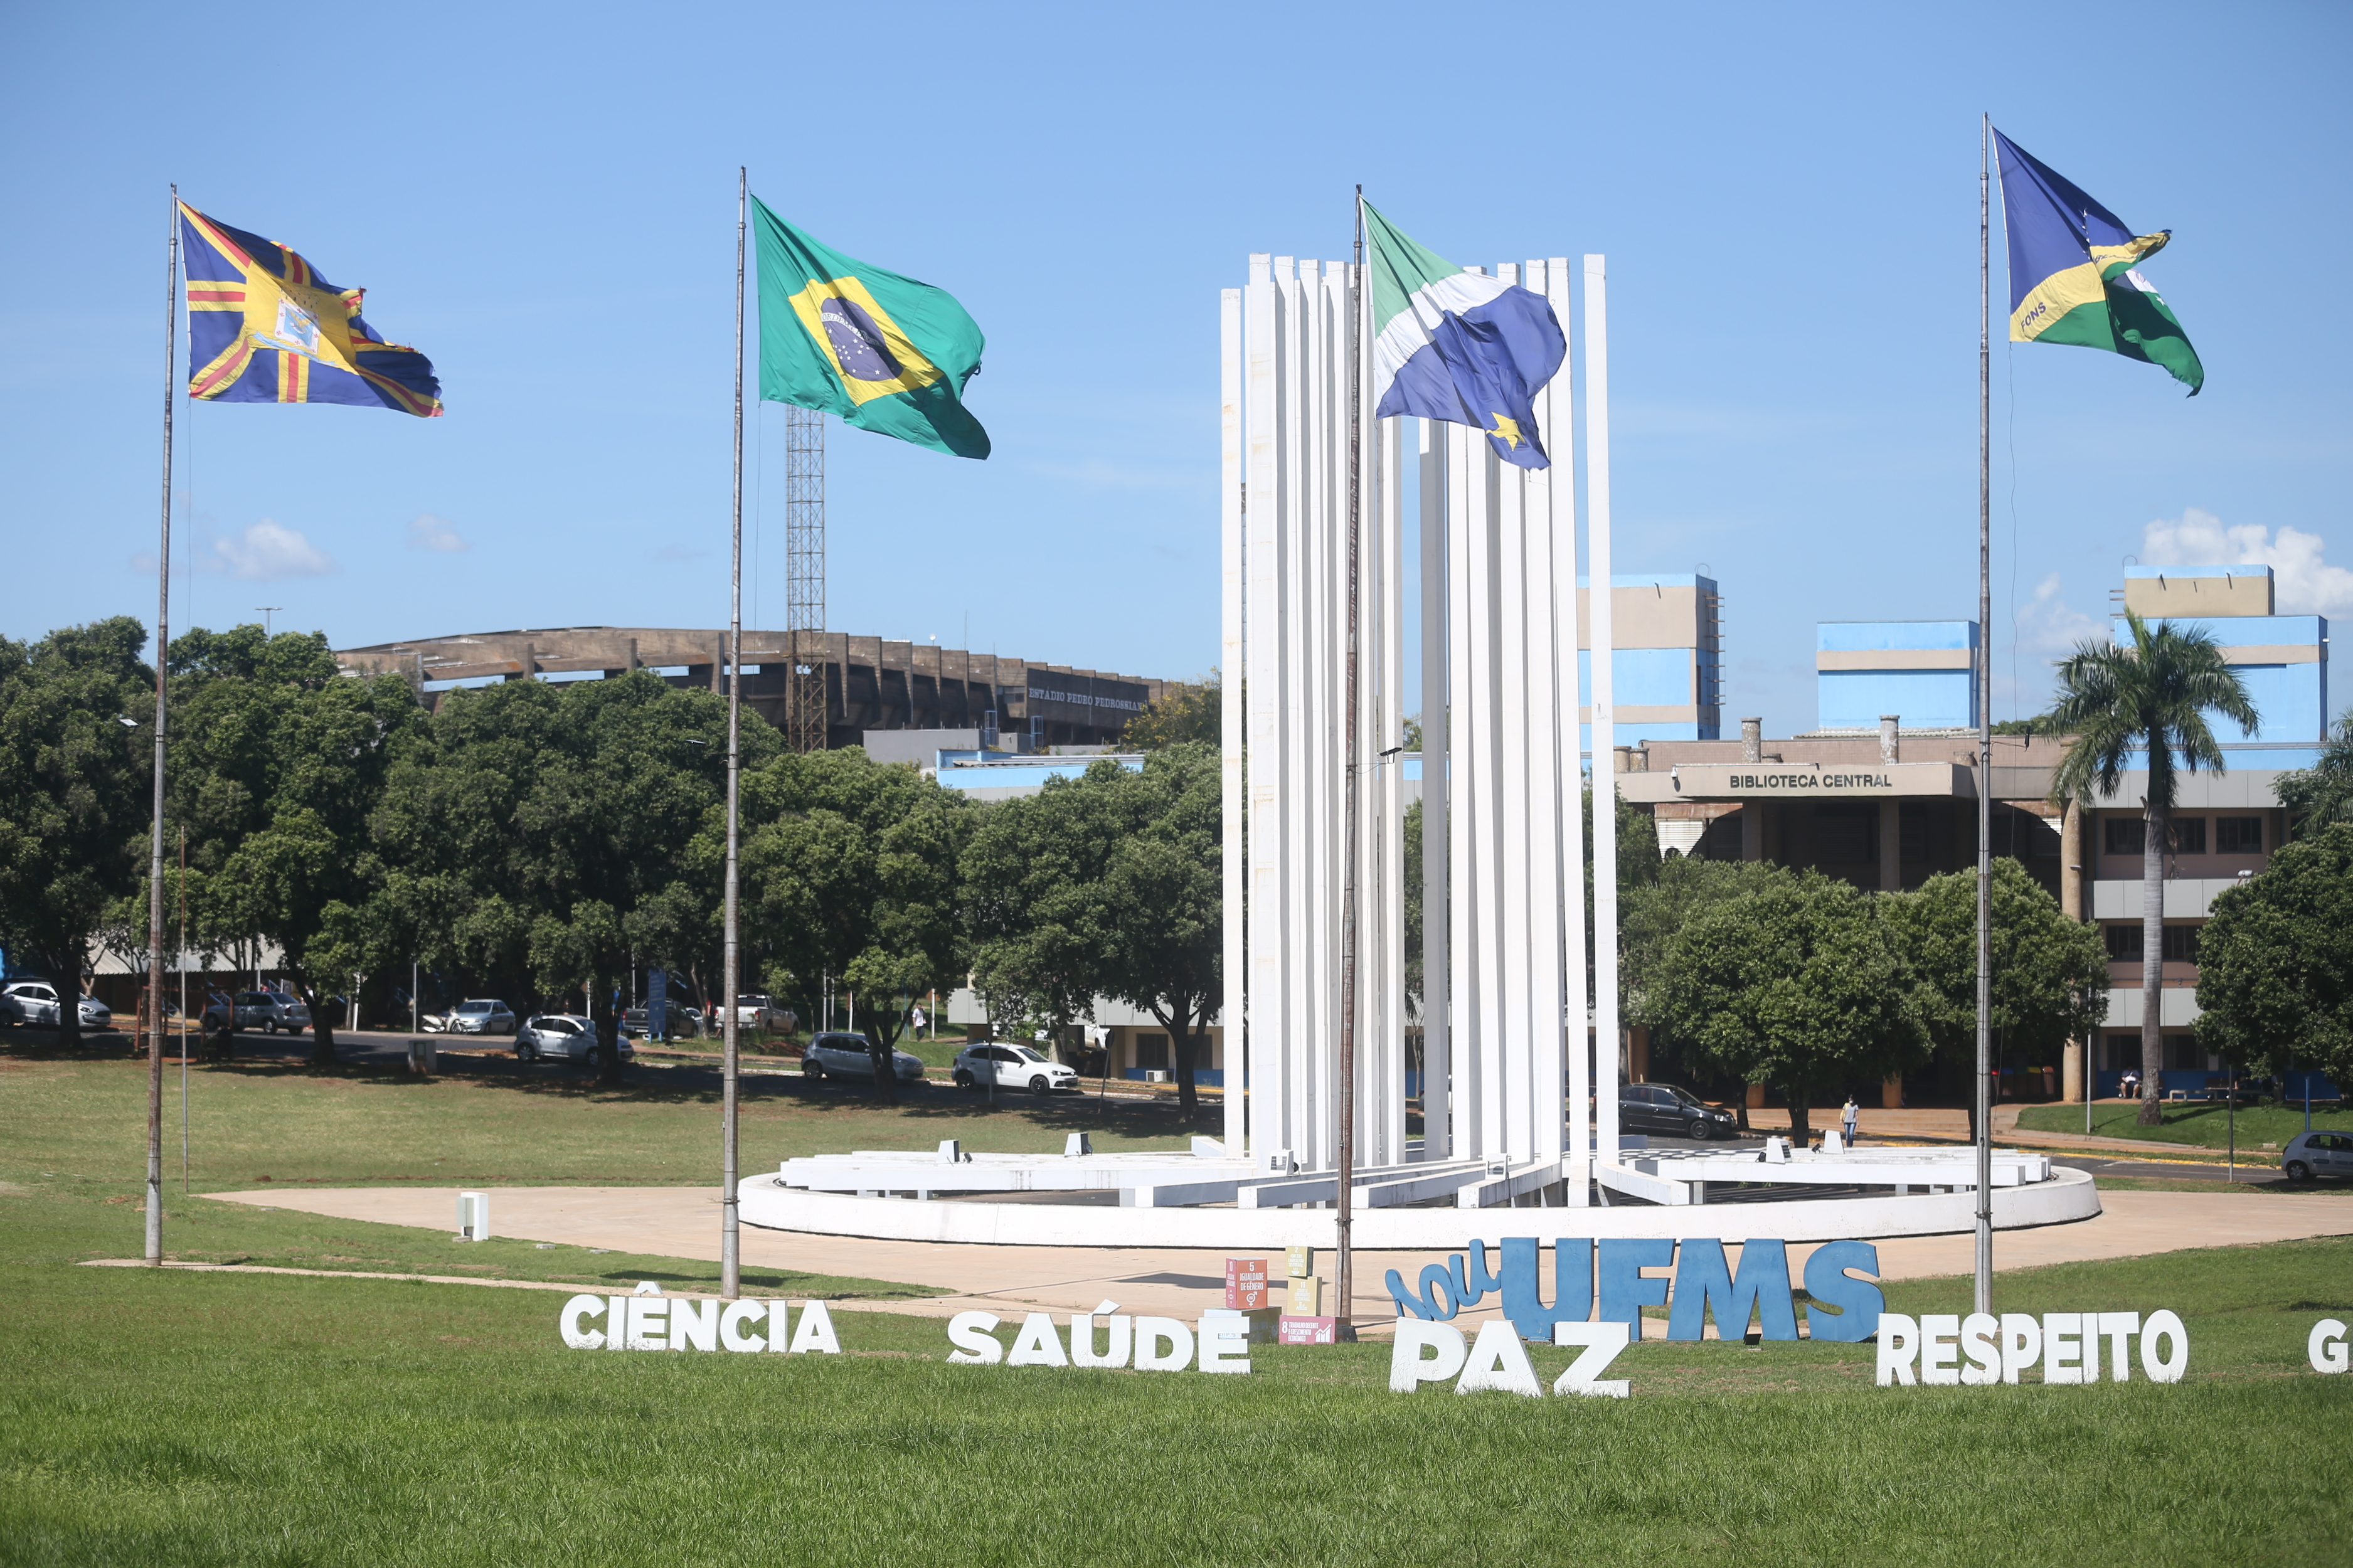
887 354
2074 274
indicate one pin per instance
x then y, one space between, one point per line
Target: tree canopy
2275 961
74 801
2321 795
1797 982
1187 714
850 872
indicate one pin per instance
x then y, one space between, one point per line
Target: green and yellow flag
887 354
2074 272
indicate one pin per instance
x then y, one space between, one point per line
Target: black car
1663 1107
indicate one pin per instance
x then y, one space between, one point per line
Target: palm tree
2151 696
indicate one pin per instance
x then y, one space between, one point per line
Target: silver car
845 1056
2310 1155
36 1002
480 1017
566 1036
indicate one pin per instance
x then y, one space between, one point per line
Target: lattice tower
805 697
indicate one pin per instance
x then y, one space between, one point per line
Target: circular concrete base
2068 1195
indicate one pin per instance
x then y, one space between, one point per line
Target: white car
1011 1066
2310 1155
36 1002
480 1016
845 1056
567 1036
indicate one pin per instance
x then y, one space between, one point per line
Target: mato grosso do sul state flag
2074 272
887 354
1459 346
264 327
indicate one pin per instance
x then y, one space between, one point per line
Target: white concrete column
1232 570
1605 729
1467 776
1270 647
1567 776
1436 884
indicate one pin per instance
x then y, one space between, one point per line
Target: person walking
1846 1117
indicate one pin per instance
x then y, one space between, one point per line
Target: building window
2187 834
2122 836
2182 1055
2124 945
2239 834
1151 1051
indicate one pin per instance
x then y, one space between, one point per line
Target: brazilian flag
887 354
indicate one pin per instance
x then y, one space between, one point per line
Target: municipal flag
887 354
264 327
1459 346
2074 272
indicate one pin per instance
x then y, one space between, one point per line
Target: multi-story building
1888 804
1667 635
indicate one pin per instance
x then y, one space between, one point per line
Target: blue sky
543 200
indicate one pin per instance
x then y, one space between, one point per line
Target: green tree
74 794
2050 973
2145 699
1030 875
2276 963
543 816
2321 795
850 869
1159 914
1185 714
1797 982
278 763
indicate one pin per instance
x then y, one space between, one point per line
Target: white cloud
2303 583
2050 627
2046 629
431 532
268 551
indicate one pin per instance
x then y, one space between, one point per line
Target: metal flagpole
183 967
1984 1103
1343 1260
155 827
730 1258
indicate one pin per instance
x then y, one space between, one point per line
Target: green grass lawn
183 1418
2200 1125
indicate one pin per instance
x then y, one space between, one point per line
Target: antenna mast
805 693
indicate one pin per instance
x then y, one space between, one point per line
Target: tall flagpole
730 1258
1343 1260
155 827
1984 1092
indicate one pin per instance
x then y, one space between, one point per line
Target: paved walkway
1953 1127
683 1222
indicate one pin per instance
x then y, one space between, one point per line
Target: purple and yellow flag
264 327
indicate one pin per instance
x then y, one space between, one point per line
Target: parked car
844 1056
2310 1155
684 1022
480 1017
1011 1066
36 1002
268 1011
565 1035
1665 1108
755 1010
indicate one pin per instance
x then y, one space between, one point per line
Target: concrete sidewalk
1953 1127
683 1222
